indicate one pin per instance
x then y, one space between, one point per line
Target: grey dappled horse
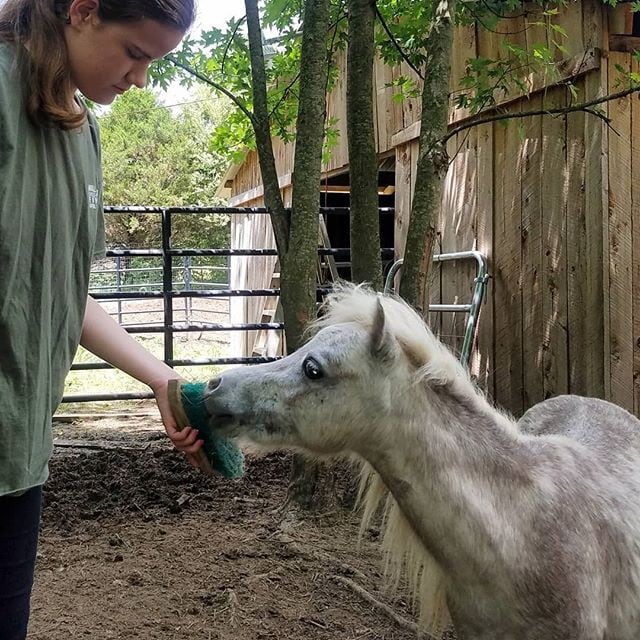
513 530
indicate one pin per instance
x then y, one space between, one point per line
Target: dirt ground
136 544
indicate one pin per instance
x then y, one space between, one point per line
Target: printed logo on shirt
92 193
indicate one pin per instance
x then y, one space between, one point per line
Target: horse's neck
458 471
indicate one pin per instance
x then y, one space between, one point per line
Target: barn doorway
335 197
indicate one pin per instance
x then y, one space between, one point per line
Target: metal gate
167 291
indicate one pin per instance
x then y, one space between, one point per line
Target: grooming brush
218 454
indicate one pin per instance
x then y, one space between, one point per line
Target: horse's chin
245 430
226 426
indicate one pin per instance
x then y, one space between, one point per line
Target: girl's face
107 58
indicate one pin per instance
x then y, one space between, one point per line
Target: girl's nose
138 77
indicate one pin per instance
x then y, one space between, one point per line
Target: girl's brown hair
37 28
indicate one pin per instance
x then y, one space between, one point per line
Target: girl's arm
105 338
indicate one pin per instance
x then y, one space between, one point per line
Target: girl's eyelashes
134 55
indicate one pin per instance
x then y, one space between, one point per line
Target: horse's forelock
349 303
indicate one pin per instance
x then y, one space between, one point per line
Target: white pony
524 530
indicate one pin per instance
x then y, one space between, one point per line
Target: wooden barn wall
390 117
622 236
528 194
253 231
635 220
553 202
249 231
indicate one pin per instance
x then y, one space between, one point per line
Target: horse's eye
311 369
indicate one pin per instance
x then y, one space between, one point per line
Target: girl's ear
82 11
382 343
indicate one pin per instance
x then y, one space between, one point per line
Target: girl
51 229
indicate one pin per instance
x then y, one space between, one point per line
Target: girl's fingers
187 436
193 448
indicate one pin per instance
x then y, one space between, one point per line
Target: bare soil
136 544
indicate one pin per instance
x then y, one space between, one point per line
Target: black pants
19 523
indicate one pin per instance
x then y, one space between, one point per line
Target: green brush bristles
223 454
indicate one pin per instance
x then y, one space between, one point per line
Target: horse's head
336 391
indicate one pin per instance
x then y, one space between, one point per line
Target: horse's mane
434 362
403 552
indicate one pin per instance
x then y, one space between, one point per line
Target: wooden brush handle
182 421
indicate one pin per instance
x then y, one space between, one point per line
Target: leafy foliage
152 157
221 59
221 56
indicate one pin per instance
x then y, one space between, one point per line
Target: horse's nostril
213 384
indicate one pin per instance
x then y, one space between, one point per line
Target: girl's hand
186 440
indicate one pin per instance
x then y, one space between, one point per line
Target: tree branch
396 44
289 87
212 83
262 130
585 106
402 622
285 94
229 41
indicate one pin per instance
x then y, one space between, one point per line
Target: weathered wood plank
554 237
411 111
383 98
482 364
336 104
250 272
464 48
532 268
448 224
488 41
507 268
532 246
434 285
580 306
626 44
593 32
585 249
415 152
457 231
620 244
571 20
635 220
458 226
402 198
398 116
606 267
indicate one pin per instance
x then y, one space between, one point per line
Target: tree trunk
363 161
298 293
432 161
298 290
262 130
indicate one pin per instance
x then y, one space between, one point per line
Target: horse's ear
382 345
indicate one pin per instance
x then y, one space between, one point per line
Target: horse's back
599 425
597 502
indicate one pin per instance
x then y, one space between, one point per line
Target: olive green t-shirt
51 228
